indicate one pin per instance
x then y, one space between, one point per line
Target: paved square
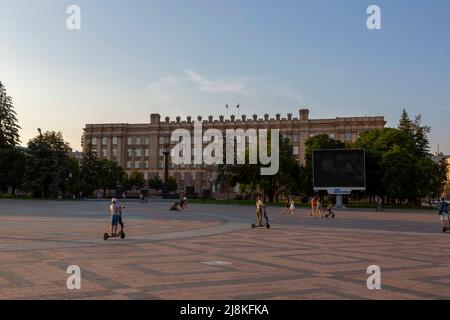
210 252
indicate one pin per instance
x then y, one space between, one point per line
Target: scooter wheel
268 226
253 226
122 235
105 236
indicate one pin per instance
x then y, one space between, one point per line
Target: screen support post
339 192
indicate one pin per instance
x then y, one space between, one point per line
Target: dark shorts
115 220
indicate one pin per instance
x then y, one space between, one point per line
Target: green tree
109 174
89 168
47 165
135 180
9 128
285 181
12 158
172 184
12 167
155 183
405 124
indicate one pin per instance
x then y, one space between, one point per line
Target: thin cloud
238 85
192 84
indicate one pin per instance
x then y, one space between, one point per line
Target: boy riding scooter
116 219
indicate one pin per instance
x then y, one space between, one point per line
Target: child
115 209
292 207
329 209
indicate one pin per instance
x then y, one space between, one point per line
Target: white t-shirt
115 209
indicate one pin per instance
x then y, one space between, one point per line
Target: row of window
137 165
114 140
135 140
138 152
182 176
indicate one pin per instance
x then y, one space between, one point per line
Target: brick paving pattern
210 252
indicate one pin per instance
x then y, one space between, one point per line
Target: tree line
46 168
399 166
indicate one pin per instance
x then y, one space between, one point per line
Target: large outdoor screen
339 169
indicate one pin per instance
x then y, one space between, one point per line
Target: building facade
141 146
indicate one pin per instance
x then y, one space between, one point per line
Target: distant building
77 155
438 157
141 146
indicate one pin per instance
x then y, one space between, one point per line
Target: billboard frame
336 189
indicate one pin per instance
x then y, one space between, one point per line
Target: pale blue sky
132 58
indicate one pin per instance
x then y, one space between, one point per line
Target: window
146 141
145 164
114 152
295 151
295 138
128 164
138 140
130 140
137 152
137 164
114 140
182 187
104 140
161 140
129 153
94 141
332 136
193 176
104 153
161 152
161 164
146 175
348 136
203 176
146 152
181 176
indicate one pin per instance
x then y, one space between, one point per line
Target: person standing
259 207
115 210
443 214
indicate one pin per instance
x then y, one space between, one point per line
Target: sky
192 57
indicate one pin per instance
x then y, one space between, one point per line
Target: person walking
443 214
318 211
292 206
313 206
379 205
286 205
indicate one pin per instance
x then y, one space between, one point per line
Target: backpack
442 206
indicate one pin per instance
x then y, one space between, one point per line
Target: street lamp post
166 153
